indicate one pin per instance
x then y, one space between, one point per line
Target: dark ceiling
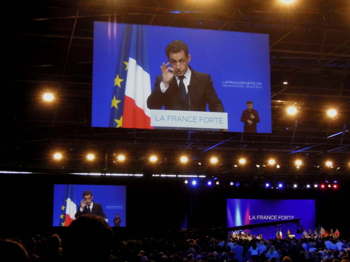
52 48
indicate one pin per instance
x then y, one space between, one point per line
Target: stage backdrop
127 60
254 211
67 199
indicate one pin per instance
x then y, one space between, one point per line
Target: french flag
138 82
70 210
69 207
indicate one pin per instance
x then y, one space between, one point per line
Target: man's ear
189 58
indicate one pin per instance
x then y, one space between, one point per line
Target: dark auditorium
176 131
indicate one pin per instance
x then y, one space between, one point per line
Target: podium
196 120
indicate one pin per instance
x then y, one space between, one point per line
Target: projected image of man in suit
180 87
88 206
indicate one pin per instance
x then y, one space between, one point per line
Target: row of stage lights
213 160
291 110
267 185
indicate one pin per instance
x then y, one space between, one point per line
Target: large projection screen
230 71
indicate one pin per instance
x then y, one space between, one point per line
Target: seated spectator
88 238
11 251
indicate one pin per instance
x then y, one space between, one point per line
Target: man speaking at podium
87 206
180 87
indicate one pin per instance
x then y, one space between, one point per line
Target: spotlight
285 83
217 183
295 185
213 160
322 186
278 166
232 183
287 2
271 162
153 159
90 157
335 186
308 186
267 185
121 158
280 185
329 164
57 156
331 113
315 185
209 183
194 182
298 163
329 186
242 161
186 181
292 110
48 97
183 159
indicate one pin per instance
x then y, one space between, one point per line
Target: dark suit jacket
200 94
96 210
246 115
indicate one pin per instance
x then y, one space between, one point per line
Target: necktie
183 94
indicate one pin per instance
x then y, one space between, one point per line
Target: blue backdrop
254 211
112 199
238 63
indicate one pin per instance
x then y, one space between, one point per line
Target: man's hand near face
167 73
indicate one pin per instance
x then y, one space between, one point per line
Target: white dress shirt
164 86
89 207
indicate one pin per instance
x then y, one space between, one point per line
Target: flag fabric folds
69 207
132 82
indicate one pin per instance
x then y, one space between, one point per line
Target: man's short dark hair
249 102
175 47
87 193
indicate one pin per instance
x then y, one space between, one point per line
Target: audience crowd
89 238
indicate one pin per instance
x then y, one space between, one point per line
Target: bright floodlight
287 2
329 164
242 161
120 158
48 97
153 159
298 163
285 83
214 160
292 110
90 157
332 113
183 159
271 162
57 156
